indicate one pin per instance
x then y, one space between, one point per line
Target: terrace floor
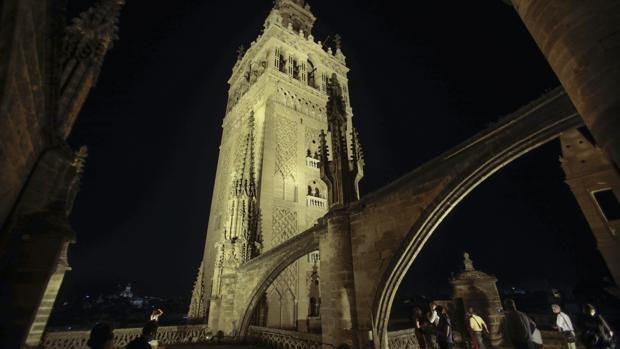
213 346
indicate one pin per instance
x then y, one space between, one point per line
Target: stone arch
311 72
263 270
471 164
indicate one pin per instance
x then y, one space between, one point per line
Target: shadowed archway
259 273
471 164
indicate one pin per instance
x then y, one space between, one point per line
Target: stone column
581 41
44 310
34 277
338 315
222 315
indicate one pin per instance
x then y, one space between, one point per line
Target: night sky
424 77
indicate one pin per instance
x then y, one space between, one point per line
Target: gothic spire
345 169
243 231
86 42
198 308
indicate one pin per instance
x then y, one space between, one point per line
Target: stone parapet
166 335
276 338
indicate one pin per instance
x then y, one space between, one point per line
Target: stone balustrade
280 339
404 339
315 202
166 335
312 162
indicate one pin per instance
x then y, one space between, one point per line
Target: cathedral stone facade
268 186
596 185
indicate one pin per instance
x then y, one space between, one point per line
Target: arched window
314 307
296 69
282 63
311 74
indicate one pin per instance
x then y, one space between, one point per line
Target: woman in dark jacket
596 332
101 337
421 324
444 329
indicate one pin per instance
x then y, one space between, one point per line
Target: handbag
485 333
537 337
569 336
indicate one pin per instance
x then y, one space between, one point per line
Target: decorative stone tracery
286 147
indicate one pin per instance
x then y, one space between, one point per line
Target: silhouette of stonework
473 288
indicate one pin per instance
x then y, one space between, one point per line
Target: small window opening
608 203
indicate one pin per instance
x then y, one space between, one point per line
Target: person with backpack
596 332
477 328
565 326
517 327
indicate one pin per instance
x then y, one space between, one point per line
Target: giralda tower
267 186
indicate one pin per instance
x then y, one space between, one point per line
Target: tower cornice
275 30
297 14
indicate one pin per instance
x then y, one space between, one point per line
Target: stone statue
240 52
338 41
469 264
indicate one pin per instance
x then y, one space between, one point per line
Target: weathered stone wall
581 41
26 42
588 171
338 314
35 261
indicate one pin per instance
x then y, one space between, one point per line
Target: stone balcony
312 163
316 202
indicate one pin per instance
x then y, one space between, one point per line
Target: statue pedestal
478 290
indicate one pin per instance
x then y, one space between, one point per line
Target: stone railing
166 335
282 339
313 201
404 339
312 162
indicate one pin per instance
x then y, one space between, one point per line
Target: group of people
518 329
102 335
436 324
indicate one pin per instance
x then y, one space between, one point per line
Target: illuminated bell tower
268 185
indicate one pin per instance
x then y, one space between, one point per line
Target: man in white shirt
565 326
430 331
433 317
